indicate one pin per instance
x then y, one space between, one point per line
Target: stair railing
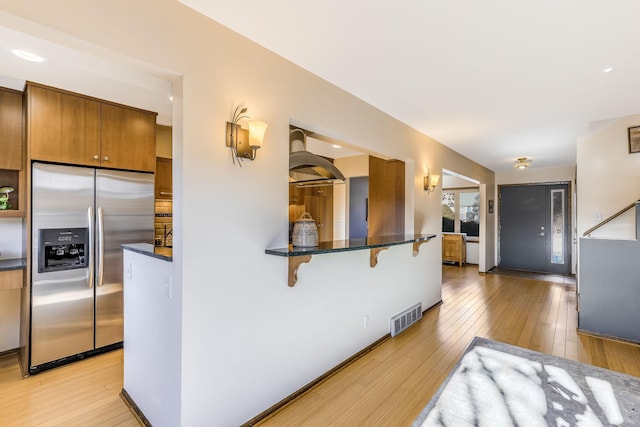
611 218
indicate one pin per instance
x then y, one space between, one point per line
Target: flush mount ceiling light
27 56
244 143
522 163
608 69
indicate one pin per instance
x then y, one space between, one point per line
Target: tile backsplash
164 223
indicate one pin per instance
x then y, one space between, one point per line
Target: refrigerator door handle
100 246
90 253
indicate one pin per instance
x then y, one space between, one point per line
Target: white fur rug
496 385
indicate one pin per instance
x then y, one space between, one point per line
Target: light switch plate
128 270
168 288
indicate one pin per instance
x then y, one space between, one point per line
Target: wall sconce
431 182
522 163
244 143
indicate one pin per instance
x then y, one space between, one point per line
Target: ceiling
87 69
493 80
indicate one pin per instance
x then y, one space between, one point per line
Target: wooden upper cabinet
163 178
69 128
128 138
62 127
11 129
386 197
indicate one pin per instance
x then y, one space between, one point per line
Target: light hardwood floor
85 393
387 387
390 385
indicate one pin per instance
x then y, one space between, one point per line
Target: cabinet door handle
96 157
105 158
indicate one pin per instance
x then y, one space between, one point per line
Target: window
461 211
448 211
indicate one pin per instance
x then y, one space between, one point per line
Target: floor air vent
403 320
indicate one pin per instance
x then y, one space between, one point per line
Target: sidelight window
557 226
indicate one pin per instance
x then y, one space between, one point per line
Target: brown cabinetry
454 248
318 202
12 173
69 128
163 179
11 129
128 138
11 279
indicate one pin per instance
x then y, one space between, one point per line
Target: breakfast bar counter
299 255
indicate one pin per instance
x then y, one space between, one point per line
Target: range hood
307 169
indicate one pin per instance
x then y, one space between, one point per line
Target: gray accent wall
609 283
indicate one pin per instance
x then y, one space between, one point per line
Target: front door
534 228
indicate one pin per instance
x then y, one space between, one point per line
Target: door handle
90 249
100 246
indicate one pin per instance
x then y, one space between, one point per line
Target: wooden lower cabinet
11 279
454 248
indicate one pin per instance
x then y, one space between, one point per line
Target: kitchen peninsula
152 333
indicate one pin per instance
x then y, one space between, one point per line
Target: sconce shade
256 133
431 182
244 142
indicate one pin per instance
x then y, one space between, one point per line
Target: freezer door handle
100 246
90 253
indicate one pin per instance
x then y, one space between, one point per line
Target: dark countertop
159 252
13 264
350 245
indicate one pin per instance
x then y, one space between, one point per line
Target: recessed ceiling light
171 98
336 146
27 56
608 69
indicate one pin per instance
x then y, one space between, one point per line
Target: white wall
248 340
608 178
535 175
10 248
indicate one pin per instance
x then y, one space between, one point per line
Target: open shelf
12 178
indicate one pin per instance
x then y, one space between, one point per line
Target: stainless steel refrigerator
80 218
